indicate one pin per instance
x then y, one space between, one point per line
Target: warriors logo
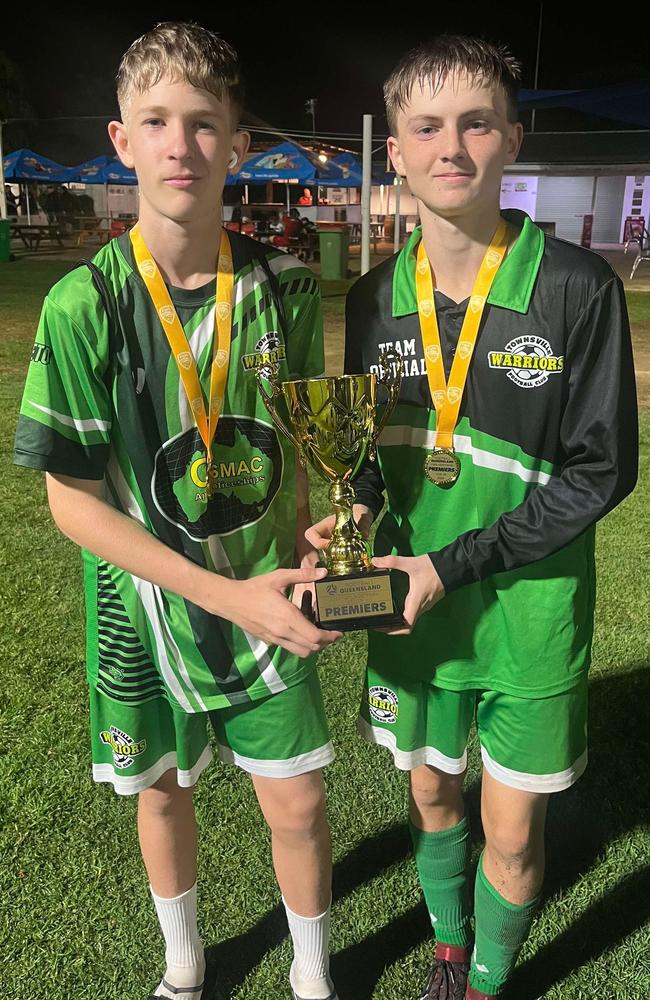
383 704
124 747
268 350
528 361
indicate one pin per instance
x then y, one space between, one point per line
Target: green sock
501 929
442 860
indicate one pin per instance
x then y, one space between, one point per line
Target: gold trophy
334 426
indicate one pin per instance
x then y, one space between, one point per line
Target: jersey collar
513 285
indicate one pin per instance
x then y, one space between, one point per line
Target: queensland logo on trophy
334 426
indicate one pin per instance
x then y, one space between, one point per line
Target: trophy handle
392 383
269 402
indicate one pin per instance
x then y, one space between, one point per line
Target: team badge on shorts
383 704
125 748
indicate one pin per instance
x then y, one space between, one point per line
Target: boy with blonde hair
162 465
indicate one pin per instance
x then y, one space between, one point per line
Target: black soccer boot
448 976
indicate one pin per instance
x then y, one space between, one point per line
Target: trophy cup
334 426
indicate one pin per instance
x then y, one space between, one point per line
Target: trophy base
356 601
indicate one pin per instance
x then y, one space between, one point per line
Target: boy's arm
257 605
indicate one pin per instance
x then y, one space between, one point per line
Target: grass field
76 922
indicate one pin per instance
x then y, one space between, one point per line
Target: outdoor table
87 226
33 235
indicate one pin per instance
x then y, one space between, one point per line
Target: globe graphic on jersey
248 464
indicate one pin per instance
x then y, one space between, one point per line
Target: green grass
76 921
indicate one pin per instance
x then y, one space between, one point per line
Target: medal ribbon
206 418
447 397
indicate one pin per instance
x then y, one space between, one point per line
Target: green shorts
276 737
533 744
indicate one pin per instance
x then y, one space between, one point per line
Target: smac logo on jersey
125 748
268 351
528 361
248 471
383 704
245 477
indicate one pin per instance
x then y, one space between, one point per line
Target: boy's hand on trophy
260 606
425 587
304 594
320 534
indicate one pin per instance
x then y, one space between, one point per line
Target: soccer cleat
474 994
332 996
198 991
448 977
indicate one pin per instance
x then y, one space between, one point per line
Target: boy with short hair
515 432
163 466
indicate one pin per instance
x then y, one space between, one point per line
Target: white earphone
233 160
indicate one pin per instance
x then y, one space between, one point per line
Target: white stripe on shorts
287 768
131 785
406 760
545 783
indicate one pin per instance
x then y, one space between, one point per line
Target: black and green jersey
547 438
103 400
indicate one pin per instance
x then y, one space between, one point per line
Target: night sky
338 53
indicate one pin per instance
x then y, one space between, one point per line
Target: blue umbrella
116 173
341 171
282 163
24 165
91 171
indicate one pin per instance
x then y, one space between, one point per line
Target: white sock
309 975
184 958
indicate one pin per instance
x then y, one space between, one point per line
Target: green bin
5 241
334 252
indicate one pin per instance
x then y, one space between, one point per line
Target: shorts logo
383 704
125 748
528 361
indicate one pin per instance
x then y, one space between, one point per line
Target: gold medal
206 413
209 480
442 467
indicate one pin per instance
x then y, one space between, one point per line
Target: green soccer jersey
103 400
547 441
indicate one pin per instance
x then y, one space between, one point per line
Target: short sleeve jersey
547 440
103 400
